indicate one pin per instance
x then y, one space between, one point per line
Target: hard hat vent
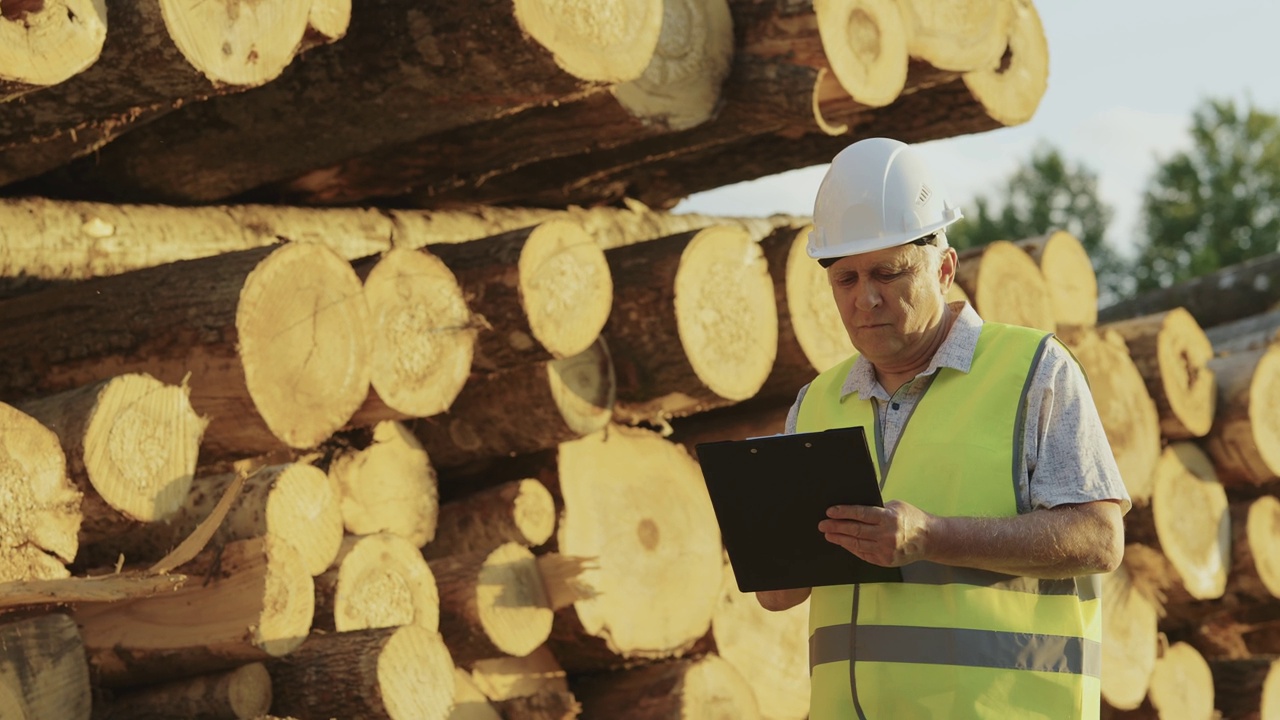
925 194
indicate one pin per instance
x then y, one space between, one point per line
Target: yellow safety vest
952 643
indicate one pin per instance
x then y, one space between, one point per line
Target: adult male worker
1002 496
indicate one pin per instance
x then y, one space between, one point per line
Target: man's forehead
896 255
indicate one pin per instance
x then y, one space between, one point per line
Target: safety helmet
876 194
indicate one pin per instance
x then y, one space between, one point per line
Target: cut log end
707 687
512 601
866 44
423 334
1011 92
328 21
40 509
1129 622
44 42
389 486
565 287
1245 438
237 43
1006 286
469 703
45 673
958 36
606 42
1262 528
1069 275
303 324
726 312
1192 519
1182 684
520 511
815 319
383 581
288 598
305 509
1189 386
583 388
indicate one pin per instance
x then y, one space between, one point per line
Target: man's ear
947 269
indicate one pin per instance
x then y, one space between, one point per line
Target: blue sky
1124 77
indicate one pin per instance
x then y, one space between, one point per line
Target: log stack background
347 371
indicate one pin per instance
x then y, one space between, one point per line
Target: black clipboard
769 495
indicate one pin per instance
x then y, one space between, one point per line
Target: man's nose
867 297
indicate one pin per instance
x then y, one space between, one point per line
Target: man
1002 497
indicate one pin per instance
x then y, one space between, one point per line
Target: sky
1124 77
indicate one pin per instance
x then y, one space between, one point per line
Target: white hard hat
876 194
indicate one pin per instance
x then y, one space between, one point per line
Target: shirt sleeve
793 415
1067 455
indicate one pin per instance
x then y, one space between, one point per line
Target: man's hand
891 536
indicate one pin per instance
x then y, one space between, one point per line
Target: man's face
890 299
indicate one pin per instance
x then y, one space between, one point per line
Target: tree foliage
1045 193
1216 204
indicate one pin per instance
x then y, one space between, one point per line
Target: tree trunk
255 602
40 508
1239 633
544 292
1245 439
1171 351
1220 297
400 673
1006 286
732 423
241 693
131 444
273 340
376 581
694 324
291 502
399 74
43 673
387 484
557 401
533 687
1251 333
521 511
46 43
1129 621
1128 413
1069 275
1187 521
1255 549
706 687
958 35
1247 689
422 336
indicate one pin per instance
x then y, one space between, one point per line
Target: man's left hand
891 536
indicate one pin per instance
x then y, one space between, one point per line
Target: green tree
1216 204
1046 192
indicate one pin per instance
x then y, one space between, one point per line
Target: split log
402 673
43 673
1129 622
422 336
256 603
468 702
272 338
958 36
387 484
694 325
1006 286
521 511
1251 333
376 581
544 292
1188 521
559 400
40 511
1181 687
1012 90
1219 297
291 502
707 687
240 694
16 594
46 43
769 649
1128 413
533 687
131 444
1247 689
1255 552
1069 275
397 75
492 604
1171 351
1245 438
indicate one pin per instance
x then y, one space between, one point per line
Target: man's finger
858 513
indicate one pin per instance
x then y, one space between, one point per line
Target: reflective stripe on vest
953 642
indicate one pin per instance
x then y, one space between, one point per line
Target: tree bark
1005 285
399 74
43 672
45 43
1255 551
242 693
533 687
376 581
703 688
1128 413
732 423
273 340
1069 276
1129 622
1220 297
387 484
1171 352
557 401
256 603
131 444
521 511
1250 333
40 511
1245 438
694 324
400 673
1247 689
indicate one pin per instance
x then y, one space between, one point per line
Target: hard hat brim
871 245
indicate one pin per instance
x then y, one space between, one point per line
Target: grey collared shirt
1066 458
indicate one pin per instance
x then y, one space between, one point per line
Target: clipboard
770 493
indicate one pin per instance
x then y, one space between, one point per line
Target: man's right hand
778 600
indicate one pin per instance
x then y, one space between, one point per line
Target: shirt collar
956 352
